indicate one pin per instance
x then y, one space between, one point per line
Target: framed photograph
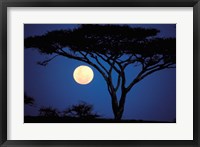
99 73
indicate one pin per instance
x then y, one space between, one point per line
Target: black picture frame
4 4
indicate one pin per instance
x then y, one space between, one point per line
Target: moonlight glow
83 75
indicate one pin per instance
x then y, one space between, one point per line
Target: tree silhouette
81 110
109 49
28 100
48 112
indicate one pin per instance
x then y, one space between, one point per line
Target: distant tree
109 49
28 100
48 112
82 110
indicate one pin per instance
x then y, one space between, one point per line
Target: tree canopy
104 39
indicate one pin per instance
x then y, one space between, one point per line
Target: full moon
83 75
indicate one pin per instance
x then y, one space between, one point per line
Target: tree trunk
119 109
114 104
119 114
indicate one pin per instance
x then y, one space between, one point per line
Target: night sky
153 98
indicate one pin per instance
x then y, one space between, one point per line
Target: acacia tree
109 49
81 110
48 112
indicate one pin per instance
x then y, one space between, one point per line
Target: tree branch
85 59
95 57
129 62
144 73
118 82
108 61
160 67
137 79
45 62
122 75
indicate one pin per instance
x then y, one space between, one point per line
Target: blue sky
153 98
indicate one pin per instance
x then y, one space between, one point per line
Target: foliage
48 112
28 100
81 110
